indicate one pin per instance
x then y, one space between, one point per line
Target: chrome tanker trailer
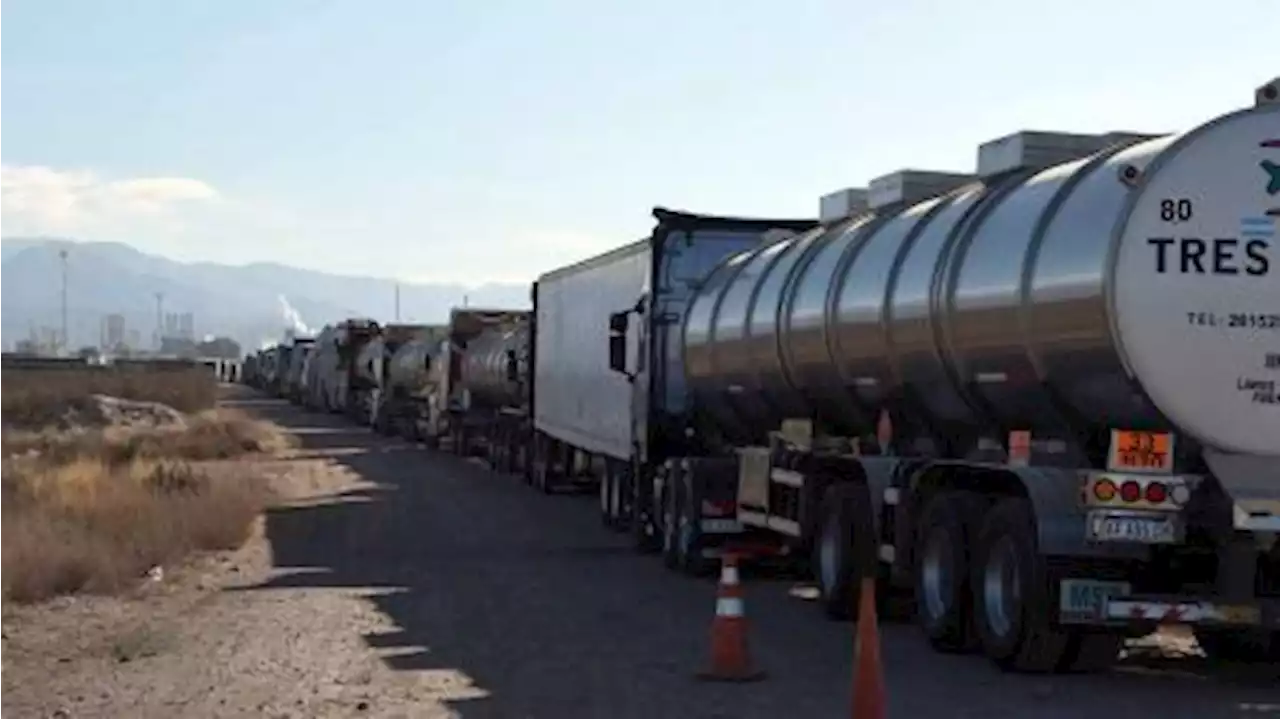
352 385
495 377
322 371
294 383
1044 398
367 377
488 397
376 361
411 379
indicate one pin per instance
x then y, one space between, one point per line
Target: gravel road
416 584
551 615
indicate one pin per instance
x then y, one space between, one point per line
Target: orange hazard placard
1140 451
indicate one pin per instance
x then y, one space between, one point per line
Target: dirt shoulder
199 641
396 582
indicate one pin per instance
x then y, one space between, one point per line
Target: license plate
1107 526
1085 600
721 526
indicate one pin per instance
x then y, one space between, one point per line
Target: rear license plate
721 526
1106 526
1084 600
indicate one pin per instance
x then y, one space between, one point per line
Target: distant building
113 332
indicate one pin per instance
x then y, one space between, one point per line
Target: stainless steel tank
485 362
410 366
1100 291
368 365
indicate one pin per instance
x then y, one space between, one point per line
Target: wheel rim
668 524
1002 587
828 559
686 534
936 574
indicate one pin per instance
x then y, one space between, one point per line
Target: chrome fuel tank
485 366
988 307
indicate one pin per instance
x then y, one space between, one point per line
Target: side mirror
618 322
513 369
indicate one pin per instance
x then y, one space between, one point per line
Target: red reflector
1130 491
1157 492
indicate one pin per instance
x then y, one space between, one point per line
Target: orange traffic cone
868 673
730 659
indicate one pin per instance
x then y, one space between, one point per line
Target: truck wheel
643 537
607 488
1012 592
670 526
689 537
1239 645
834 559
542 463
944 541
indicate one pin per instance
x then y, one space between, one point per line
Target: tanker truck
322 371
294 383
411 378
1040 399
359 360
486 397
495 377
366 379
376 360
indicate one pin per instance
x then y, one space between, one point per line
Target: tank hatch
1035 149
842 204
910 186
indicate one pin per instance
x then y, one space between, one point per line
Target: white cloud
40 200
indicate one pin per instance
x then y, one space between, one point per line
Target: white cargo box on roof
842 204
909 186
578 399
1033 149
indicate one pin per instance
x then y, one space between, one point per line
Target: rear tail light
1130 491
1157 493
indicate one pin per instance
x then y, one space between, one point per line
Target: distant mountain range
252 303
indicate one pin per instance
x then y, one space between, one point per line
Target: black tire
1245 646
670 521
607 483
690 540
541 471
644 537
1015 630
834 559
615 472
944 546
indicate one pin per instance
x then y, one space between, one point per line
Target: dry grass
33 398
93 508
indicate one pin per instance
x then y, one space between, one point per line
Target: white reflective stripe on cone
729 607
729 575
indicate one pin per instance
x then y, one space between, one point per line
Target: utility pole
159 321
397 301
63 340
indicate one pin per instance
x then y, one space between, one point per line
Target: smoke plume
292 318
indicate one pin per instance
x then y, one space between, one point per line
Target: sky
491 141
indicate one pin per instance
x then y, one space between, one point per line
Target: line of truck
1040 400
